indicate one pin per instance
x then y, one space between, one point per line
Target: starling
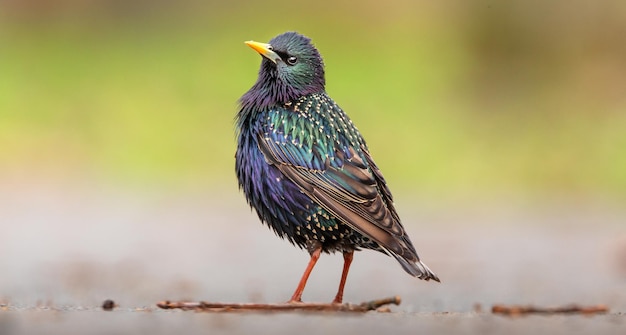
305 168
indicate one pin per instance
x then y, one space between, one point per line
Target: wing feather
350 193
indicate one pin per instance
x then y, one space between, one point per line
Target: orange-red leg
297 295
347 260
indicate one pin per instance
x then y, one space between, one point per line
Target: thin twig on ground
203 306
515 310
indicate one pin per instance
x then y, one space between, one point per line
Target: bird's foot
338 299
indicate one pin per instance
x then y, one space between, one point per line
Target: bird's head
291 67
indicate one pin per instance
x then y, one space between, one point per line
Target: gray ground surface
65 249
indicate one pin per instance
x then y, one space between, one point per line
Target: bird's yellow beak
264 50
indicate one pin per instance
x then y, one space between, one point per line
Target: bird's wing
339 174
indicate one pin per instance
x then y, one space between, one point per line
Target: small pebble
108 305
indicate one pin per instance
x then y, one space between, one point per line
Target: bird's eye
292 60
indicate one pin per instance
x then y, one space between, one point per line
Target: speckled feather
305 168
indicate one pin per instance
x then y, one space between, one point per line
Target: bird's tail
417 269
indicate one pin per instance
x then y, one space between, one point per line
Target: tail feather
417 269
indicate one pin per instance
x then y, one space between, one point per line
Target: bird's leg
347 260
315 249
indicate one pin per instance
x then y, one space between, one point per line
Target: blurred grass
458 97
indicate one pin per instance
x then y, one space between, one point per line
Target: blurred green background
456 98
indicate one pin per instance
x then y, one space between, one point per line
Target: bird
307 171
